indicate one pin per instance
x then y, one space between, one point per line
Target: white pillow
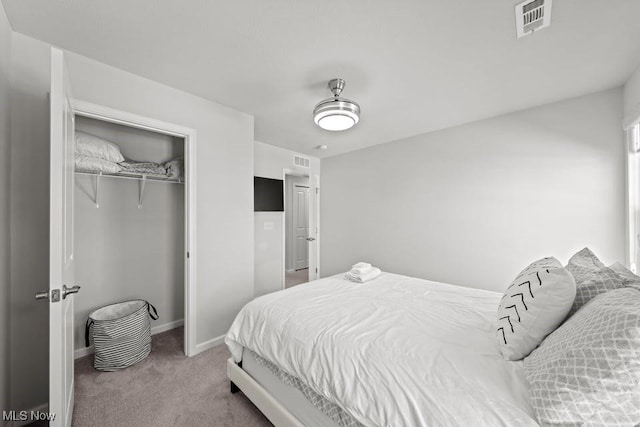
93 164
535 303
92 146
587 372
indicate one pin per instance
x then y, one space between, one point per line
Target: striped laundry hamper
121 334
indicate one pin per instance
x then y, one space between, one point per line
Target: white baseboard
40 408
82 352
167 326
85 351
213 342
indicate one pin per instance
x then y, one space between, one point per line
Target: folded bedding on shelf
92 146
94 164
174 167
143 168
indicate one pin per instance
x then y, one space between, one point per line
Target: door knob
66 291
311 239
42 295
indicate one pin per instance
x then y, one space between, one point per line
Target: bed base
233 388
261 398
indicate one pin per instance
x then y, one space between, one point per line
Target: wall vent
532 15
303 162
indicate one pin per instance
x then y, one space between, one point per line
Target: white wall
224 206
270 162
632 97
122 251
474 204
268 250
5 60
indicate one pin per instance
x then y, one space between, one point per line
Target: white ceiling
413 66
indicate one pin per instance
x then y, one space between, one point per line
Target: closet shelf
134 176
142 180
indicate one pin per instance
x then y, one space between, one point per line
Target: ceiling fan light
336 114
336 122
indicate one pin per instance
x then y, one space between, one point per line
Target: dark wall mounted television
268 195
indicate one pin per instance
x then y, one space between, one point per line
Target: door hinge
316 270
187 254
317 190
55 295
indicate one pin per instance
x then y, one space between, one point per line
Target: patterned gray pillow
587 372
628 278
583 264
592 278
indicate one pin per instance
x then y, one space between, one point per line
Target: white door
301 226
61 267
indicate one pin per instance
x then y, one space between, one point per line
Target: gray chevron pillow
533 305
587 372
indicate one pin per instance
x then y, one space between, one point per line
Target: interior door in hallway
301 226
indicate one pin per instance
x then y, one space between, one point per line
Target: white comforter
396 351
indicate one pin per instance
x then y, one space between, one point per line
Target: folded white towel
358 271
374 273
361 265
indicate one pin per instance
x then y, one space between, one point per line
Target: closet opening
134 220
297 210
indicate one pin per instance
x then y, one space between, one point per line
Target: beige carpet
294 278
165 389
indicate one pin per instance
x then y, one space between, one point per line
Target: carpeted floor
297 277
165 389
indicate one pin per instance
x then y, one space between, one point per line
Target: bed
396 351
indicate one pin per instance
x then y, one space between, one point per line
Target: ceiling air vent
300 161
532 15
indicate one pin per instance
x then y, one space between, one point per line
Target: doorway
144 136
64 111
297 230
